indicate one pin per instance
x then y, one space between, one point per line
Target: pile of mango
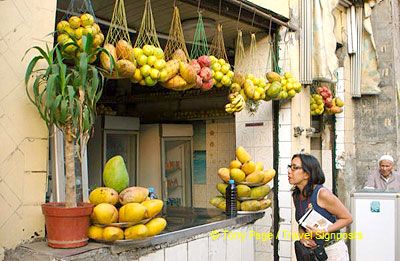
221 72
281 87
251 182
178 74
125 62
72 31
118 204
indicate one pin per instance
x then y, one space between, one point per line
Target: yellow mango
221 187
124 50
224 174
153 207
259 166
136 232
133 195
215 201
155 226
260 192
268 175
249 167
237 175
265 203
113 233
95 232
104 213
235 164
250 205
242 155
103 195
105 59
255 177
243 191
132 212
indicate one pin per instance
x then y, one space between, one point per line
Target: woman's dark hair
311 166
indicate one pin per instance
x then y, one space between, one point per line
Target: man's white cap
386 157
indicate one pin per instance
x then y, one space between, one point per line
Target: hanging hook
240 11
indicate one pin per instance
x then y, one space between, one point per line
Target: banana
236 100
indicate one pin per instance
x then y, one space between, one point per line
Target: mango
104 213
124 50
153 207
187 72
221 187
222 205
155 226
260 192
224 174
136 232
115 174
268 175
235 164
249 167
113 233
237 175
273 76
265 203
103 195
105 59
125 68
132 212
250 205
242 155
255 177
243 191
259 166
133 195
95 232
215 201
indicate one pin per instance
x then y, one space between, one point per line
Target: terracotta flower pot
67 227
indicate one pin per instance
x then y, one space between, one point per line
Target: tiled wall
220 147
23 135
203 247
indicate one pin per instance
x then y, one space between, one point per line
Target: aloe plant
66 96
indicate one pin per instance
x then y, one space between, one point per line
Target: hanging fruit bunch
282 87
204 80
236 103
71 31
221 69
147 51
332 105
316 104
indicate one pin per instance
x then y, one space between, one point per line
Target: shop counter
190 232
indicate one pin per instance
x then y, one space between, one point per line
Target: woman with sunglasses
306 175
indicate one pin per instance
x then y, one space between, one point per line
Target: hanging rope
238 20
147 33
118 28
218 46
239 51
176 39
200 45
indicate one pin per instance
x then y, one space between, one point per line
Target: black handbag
309 254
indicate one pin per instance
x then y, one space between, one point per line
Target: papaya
273 77
115 174
124 50
125 68
113 233
153 207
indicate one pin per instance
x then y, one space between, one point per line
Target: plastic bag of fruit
78 20
178 74
147 51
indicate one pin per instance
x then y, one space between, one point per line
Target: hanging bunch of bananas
236 103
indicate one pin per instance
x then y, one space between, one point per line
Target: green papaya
115 174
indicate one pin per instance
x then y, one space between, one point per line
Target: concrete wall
23 135
377 116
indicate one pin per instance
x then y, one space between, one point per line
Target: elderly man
385 178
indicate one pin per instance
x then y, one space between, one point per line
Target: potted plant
66 96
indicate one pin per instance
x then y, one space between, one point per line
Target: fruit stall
156 96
